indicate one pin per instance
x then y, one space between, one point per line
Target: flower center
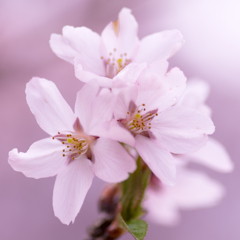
74 144
140 119
115 62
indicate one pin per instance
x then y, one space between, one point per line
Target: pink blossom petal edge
70 189
160 91
195 95
43 159
192 190
122 35
112 163
181 130
79 42
52 112
158 46
213 155
86 76
113 130
159 160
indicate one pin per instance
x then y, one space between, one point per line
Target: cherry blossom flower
74 152
193 188
147 110
117 47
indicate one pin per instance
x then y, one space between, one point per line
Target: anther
156 114
101 57
58 132
63 150
72 158
64 155
143 104
127 112
52 137
114 49
63 142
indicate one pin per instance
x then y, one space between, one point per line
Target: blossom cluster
131 105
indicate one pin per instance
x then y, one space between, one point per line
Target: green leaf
136 227
133 190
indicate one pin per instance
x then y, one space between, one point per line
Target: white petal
129 74
79 42
93 108
87 76
52 112
195 95
159 160
125 97
182 129
115 131
123 37
213 155
192 190
43 159
161 207
158 46
160 92
70 189
112 163
195 190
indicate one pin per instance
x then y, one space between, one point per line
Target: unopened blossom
147 109
74 152
116 48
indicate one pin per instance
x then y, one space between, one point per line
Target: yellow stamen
137 115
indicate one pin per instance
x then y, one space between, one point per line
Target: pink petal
129 74
157 158
124 98
112 163
87 76
52 112
160 92
158 46
62 48
114 131
196 190
161 207
79 42
43 159
213 155
125 40
70 189
193 190
195 95
182 129
93 108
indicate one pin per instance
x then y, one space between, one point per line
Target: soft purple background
212 51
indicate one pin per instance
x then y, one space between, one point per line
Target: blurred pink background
212 52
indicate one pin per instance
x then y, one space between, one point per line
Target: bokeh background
212 51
